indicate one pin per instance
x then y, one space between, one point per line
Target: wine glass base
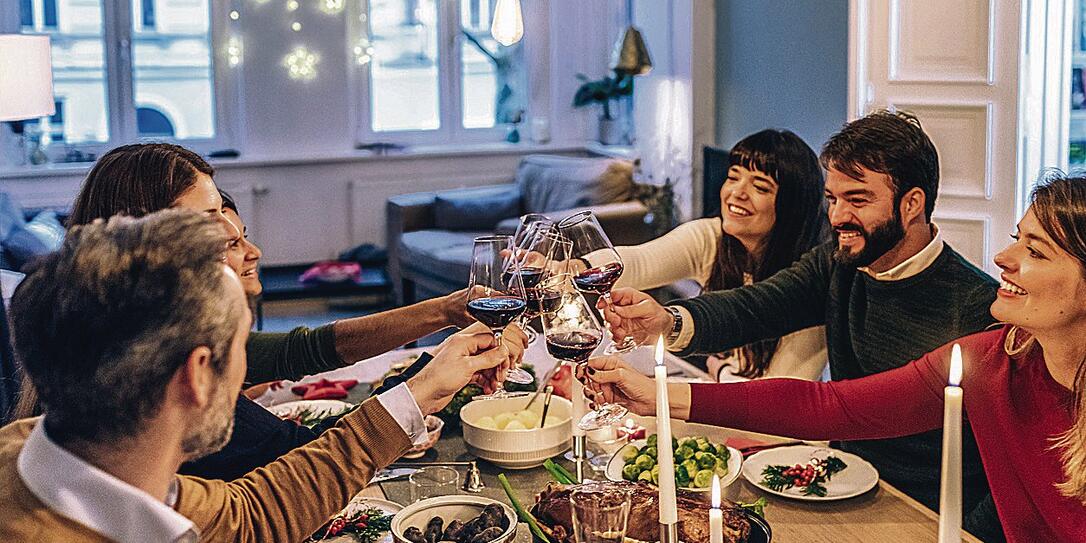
620 348
519 377
531 333
606 415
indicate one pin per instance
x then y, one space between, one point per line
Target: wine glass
530 246
573 333
600 513
496 294
604 266
544 258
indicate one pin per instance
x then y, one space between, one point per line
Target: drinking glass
496 294
432 482
590 244
548 252
573 333
531 244
600 513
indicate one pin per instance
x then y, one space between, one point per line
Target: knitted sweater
871 326
291 355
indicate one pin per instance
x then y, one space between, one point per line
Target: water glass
600 513
433 481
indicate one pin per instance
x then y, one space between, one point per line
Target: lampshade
508 25
26 77
631 57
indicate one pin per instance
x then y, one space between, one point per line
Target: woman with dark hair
1024 383
242 255
772 211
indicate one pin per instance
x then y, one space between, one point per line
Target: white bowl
729 490
516 449
449 508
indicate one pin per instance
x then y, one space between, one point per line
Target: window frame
118 75
449 85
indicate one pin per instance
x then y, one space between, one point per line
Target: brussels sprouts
629 453
682 477
644 461
691 467
645 476
703 479
652 440
630 471
704 445
723 452
656 474
688 442
706 461
651 451
686 452
721 470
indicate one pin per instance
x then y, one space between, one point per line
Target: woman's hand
634 313
608 379
454 309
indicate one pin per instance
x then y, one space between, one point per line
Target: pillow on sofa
475 209
43 234
554 183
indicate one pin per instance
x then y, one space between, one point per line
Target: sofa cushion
43 234
477 208
441 253
553 183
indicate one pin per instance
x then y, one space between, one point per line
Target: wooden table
883 515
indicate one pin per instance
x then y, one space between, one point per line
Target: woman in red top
1023 383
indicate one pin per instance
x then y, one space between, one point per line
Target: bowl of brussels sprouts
696 461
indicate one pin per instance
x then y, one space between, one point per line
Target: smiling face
864 215
247 255
748 206
1041 285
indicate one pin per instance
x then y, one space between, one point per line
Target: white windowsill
417 152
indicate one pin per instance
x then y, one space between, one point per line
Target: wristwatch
676 324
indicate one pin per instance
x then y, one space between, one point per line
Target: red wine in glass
572 347
600 279
544 300
529 275
496 311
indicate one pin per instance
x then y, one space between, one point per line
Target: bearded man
888 289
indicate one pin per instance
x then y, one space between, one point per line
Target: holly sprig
366 525
810 478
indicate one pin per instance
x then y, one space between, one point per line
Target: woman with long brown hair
1024 383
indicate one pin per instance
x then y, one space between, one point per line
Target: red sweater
1013 405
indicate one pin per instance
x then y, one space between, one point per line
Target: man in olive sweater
134 334
888 290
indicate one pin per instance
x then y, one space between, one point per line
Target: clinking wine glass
547 252
496 295
530 245
572 334
590 244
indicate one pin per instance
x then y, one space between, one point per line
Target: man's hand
471 355
608 379
454 309
634 313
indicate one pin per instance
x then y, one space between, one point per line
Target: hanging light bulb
508 25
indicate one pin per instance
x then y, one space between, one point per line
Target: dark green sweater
871 326
291 355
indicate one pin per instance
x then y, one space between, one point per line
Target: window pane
171 48
492 75
404 81
75 30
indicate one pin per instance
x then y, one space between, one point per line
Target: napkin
324 389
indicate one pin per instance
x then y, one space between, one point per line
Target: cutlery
546 406
392 474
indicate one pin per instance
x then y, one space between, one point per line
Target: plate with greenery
804 472
696 458
309 413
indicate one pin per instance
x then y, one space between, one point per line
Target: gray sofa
430 233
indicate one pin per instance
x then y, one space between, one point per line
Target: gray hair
103 324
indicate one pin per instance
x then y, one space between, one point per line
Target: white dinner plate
858 477
326 407
735 465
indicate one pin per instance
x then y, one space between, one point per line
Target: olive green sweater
291 355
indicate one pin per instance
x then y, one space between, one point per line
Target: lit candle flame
955 365
660 351
715 499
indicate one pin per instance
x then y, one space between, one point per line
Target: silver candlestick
669 533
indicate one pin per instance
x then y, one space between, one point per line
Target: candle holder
669 533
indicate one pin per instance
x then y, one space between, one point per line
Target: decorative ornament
301 63
363 51
234 51
332 7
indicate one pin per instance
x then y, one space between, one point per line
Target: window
165 87
432 73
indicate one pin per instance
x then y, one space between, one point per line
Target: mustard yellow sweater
285 501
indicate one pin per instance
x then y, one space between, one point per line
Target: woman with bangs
772 211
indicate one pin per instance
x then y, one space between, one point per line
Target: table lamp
26 77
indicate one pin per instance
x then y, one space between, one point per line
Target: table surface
883 514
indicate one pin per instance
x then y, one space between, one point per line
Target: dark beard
876 243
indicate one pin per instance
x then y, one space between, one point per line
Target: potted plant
603 91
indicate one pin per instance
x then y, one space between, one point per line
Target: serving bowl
449 508
516 449
729 490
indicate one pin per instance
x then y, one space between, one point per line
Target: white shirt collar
73 488
914 264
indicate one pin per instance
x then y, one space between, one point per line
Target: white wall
781 64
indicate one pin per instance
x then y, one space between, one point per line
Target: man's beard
876 242
212 433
